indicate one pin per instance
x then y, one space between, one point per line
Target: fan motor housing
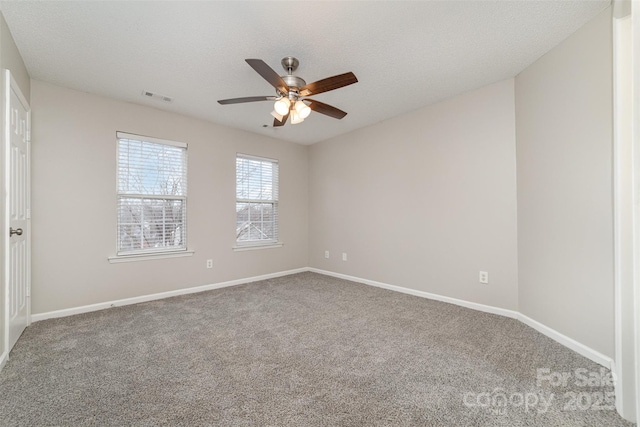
293 81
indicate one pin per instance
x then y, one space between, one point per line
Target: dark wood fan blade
268 74
326 109
276 122
246 99
330 83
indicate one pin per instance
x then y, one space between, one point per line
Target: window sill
257 246
149 256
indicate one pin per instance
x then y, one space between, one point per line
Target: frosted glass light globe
282 106
303 109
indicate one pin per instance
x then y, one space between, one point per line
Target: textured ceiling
406 54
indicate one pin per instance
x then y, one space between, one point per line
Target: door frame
626 206
635 70
9 84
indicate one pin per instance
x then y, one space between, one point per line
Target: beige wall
9 59
74 201
564 162
12 60
424 201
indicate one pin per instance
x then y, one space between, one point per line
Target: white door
17 157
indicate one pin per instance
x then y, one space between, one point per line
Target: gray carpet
301 350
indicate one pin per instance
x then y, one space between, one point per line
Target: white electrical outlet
209 263
344 256
484 277
326 254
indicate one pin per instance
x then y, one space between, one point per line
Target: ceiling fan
291 92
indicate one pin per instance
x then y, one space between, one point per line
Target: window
256 200
152 195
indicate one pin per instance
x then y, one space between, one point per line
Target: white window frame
145 254
244 245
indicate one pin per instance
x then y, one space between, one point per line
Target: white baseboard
4 357
472 305
570 343
144 298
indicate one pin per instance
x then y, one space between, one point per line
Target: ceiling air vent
157 97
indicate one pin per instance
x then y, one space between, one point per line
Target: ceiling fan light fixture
277 116
281 106
290 89
295 117
302 109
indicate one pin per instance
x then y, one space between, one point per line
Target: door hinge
28 132
28 214
29 291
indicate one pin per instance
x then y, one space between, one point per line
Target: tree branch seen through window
256 200
152 195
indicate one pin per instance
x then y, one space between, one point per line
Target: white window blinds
256 200
152 195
